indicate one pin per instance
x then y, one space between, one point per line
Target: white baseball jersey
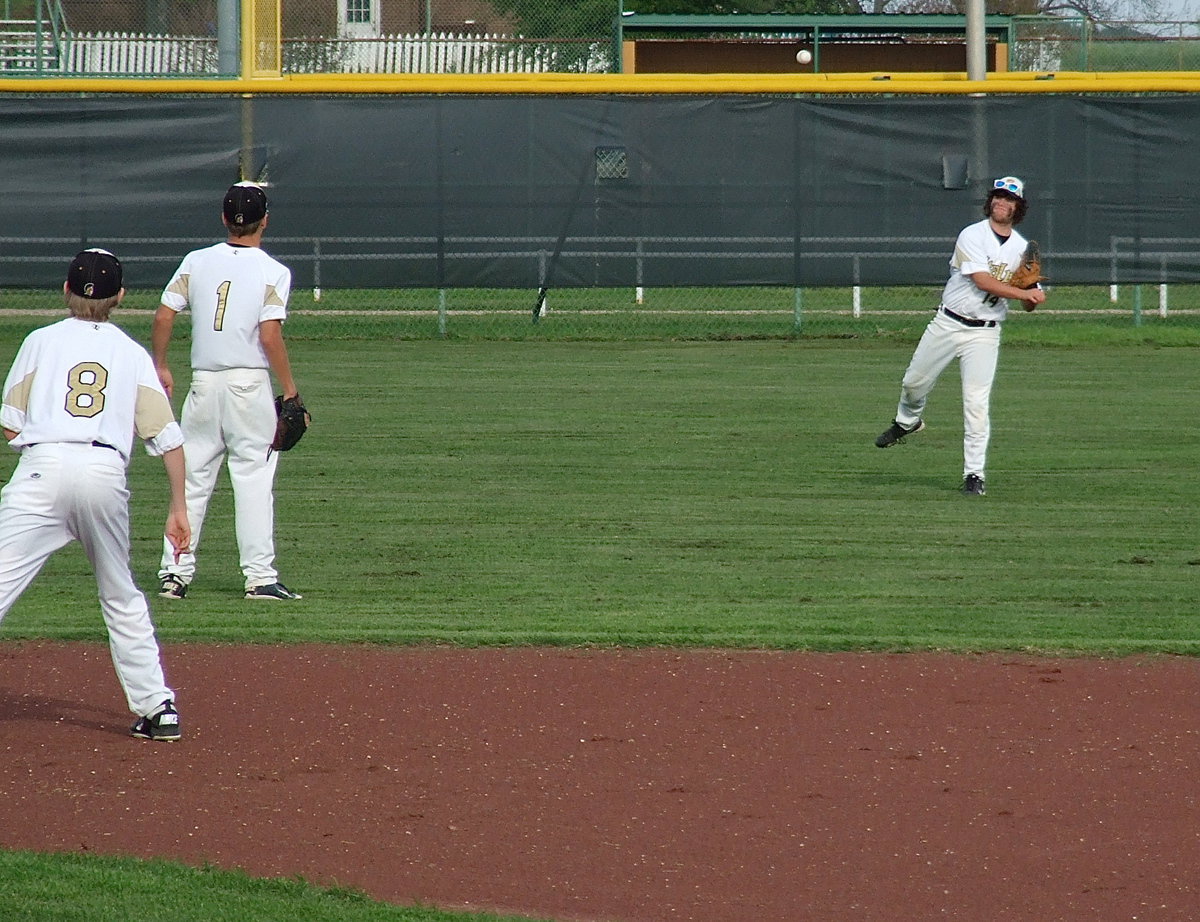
83 381
230 290
978 249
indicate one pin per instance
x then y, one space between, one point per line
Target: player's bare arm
177 529
270 332
9 434
985 282
160 339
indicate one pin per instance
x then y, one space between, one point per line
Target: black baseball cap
95 274
245 203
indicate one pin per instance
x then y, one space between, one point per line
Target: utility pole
976 41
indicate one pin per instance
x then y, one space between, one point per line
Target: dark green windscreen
515 191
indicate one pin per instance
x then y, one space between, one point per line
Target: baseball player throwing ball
967 327
78 392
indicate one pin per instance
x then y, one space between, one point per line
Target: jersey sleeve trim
175 296
152 412
170 437
17 398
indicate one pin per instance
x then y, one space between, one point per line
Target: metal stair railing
31 47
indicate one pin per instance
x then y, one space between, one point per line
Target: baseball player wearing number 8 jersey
78 392
967 327
238 297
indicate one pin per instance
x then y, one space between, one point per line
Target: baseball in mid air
804 56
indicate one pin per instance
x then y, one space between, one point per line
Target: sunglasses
1007 186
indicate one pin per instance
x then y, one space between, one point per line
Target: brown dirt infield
633 786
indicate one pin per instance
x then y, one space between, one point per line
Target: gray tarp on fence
464 191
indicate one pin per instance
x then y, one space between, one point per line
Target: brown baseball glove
1029 272
292 422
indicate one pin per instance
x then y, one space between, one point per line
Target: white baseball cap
1011 185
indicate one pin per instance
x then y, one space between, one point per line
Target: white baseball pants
230 415
977 350
64 491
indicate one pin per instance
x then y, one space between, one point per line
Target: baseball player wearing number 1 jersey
238 297
77 394
967 327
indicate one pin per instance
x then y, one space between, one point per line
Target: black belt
95 444
968 321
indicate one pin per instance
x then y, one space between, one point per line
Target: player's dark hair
1018 213
243 230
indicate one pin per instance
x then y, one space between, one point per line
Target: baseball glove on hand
1029 273
292 422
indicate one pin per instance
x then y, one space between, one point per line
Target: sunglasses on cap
1010 184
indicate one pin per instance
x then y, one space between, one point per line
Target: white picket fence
130 53
437 53
448 53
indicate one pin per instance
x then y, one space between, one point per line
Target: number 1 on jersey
222 300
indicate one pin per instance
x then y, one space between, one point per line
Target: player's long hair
96 309
1018 213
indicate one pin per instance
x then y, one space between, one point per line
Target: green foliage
562 19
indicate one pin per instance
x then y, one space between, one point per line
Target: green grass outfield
716 493
703 493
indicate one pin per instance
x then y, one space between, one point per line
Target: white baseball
804 56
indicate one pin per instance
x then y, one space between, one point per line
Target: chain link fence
1168 314
728 313
626 313
162 38
1049 44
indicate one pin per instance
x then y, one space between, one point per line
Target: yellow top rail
705 84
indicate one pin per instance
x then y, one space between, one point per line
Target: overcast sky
1181 10
1185 10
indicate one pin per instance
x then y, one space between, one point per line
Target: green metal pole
428 37
38 37
618 36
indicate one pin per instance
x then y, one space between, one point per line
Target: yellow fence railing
267 79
